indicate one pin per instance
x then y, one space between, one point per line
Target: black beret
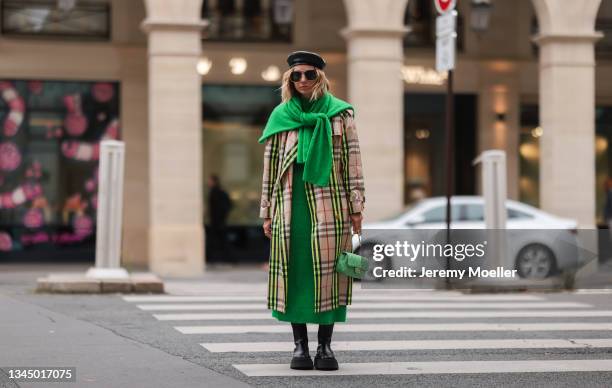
305 57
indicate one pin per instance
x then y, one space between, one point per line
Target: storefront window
56 18
529 156
234 117
425 145
233 120
248 20
49 148
603 160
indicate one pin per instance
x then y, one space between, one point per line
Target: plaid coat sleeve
351 164
270 172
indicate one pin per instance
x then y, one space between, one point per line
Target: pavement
104 357
215 331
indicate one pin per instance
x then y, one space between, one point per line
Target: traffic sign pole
446 25
450 107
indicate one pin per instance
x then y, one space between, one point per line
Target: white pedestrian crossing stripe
232 311
594 291
434 367
388 327
361 305
396 314
248 347
379 296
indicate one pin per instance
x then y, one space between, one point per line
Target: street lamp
480 14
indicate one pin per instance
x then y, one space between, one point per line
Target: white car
540 243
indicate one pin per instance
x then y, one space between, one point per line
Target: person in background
219 206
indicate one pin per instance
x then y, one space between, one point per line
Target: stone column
375 55
567 107
567 116
176 237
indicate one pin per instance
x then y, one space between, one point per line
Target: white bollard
494 193
494 187
110 212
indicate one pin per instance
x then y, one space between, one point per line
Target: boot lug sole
326 364
301 364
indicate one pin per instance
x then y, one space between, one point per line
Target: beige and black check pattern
330 207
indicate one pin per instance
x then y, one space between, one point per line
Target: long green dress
299 307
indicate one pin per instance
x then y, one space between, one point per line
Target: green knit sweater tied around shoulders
312 119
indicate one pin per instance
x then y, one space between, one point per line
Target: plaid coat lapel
329 208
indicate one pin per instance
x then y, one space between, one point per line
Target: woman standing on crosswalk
312 194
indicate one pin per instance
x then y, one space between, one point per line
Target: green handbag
351 264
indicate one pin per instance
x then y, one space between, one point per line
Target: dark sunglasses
310 75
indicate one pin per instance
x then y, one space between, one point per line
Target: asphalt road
221 334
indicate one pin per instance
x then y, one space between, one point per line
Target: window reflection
248 20
82 20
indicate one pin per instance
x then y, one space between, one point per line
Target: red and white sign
444 6
446 36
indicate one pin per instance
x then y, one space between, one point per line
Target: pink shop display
102 91
6 242
13 121
10 157
75 121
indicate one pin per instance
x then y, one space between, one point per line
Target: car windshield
400 214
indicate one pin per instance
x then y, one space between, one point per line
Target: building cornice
172 25
378 32
541 39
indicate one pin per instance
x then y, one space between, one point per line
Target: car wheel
367 250
535 261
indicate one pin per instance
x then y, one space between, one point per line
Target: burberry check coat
329 208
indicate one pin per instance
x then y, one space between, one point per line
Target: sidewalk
601 279
241 277
38 337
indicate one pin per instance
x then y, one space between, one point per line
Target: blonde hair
288 89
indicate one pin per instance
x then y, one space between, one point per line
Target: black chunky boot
301 359
325 360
